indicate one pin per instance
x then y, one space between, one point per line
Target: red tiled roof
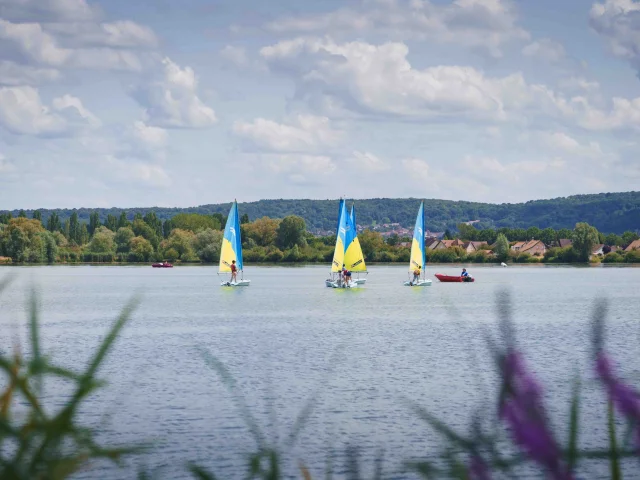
635 245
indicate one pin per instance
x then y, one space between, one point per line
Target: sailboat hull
241 283
419 283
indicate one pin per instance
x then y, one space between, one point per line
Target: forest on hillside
608 212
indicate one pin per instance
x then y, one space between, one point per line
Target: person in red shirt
234 271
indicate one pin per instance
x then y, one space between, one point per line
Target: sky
165 103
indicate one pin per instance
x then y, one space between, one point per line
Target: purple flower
478 470
522 409
625 398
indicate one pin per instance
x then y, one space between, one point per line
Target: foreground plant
36 444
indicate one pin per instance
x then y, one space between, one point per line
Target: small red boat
162 265
450 278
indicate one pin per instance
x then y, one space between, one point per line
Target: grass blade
613 447
572 456
200 473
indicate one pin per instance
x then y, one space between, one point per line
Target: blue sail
338 254
418 254
340 209
353 214
231 242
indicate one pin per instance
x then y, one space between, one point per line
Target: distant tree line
608 212
197 238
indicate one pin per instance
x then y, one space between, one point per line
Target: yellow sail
338 256
417 256
353 257
227 255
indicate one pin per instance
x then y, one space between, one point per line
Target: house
565 242
5 259
442 244
517 246
473 246
404 244
597 250
532 247
635 245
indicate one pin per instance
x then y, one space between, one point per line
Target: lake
364 356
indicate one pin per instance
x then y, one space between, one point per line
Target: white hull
419 283
241 283
354 283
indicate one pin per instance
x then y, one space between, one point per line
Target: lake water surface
364 355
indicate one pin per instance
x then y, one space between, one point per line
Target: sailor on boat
234 272
416 275
346 274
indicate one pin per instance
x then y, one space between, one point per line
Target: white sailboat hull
419 283
241 283
339 284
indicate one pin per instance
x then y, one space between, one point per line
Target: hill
608 212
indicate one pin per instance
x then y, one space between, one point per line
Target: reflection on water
365 351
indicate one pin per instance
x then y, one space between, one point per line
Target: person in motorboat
465 275
416 275
234 271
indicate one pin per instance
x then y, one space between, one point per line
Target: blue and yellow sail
353 256
338 253
418 254
231 242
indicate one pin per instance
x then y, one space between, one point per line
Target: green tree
84 234
5 217
180 241
122 221
51 247
263 231
21 240
167 226
207 245
291 232
467 232
154 222
142 229
22 214
102 242
94 222
244 219
628 237
501 247
111 223
585 237
140 249
122 239
74 229
37 215
612 239
194 222
53 222
533 233
66 229
371 242
448 235
548 236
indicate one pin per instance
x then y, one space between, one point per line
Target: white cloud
367 162
565 143
172 100
306 133
72 106
235 55
119 34
13 74
619 22
417 169
133 171
29 43
379 79
5 165
486 24
22 113
154 137
48 10
545 49
579 84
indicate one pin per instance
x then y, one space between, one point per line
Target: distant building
565 242
635 245
532 247
473 246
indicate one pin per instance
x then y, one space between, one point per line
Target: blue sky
119 103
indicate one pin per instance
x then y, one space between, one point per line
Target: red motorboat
450 278
162 265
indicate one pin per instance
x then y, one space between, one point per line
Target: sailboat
231 249
418 255
348 252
